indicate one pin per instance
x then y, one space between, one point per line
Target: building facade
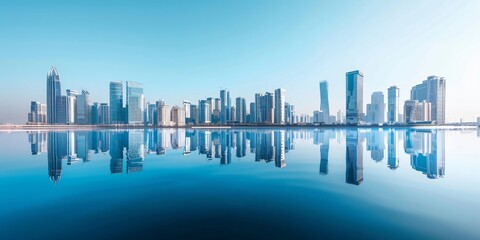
354 94
393 104
279 117
432 90
324 104
135 103
116 103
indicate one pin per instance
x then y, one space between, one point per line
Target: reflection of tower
135 151
427 151
376 144
193 135
280 149
264 146
324 148
354 171
37 142
177 138
103 141
226 144
57 145
393 159
289 143
163 139
71 149
116 151
241 144
83 145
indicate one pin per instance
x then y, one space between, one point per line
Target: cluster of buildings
426 105
73 108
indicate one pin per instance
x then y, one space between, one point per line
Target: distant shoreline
232 126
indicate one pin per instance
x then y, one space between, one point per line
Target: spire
53 72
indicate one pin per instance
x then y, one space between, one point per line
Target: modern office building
204 116
193 114
376 109
416 111
225 103
324 104
393 104
71 106
241 110
84 108
177 116
152 114
186 108
264 108
289 113
163 113
279 117
54 92
135 103
38 113
253 111
432 90
103 114
354 100
116 103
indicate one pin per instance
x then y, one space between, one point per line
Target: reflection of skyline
425 148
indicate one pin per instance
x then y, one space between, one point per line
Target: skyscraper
225 106
279 106
163 113
432 90
264 108
289 113
71 106
204 116
393 104
177 116
376 109
54 90
116 103
84 108
135 103
241 110
38 113
324 105
354 107
186 108
416 111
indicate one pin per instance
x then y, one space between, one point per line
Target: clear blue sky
191 49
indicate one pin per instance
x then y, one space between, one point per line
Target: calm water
238 184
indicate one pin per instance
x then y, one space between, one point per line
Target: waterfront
232 183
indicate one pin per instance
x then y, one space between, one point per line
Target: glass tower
54 90
324 106
354 107
116 103
135 103
393 104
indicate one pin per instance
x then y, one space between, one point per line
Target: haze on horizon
191 49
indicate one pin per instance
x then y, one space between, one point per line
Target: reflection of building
323 138
427 151
117 145
280 149
240 144
56 152
264 149
38 142
376 144
354 157
135 151
393 157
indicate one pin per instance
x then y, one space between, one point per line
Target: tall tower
116 103
54 90
432 90
225 103
324 105
279 117
135 103
393 104
354 107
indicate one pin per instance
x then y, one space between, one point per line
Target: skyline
245 51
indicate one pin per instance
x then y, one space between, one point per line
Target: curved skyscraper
324 106
54 90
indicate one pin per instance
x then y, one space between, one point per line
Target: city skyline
304 47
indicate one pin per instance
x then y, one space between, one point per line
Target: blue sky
191 49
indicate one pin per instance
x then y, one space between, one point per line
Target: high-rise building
204 116
38 113
135 103
225 106
253 111
393 104
241 110
152 114
376 109
264 108
71 106
193 114
354 107
103 114
279 117
432 90
163 113
324 104
177 116
416 111
116 103
84 108
186 108
289 113
54 91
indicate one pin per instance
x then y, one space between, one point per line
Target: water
240 184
